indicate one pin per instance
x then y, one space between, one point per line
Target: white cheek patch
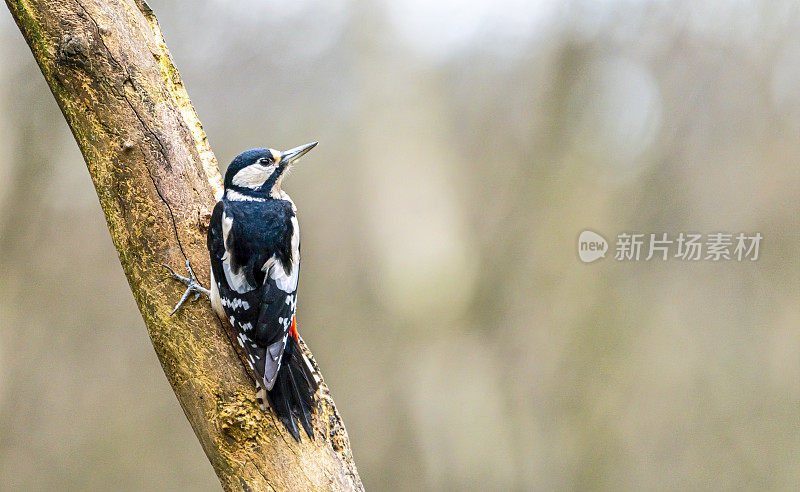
253 176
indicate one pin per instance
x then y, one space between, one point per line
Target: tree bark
155 175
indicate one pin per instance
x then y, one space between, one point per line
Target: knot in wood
238 420
74 49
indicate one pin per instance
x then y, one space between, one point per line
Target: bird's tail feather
292 396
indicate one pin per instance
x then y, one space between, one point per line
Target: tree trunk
155 175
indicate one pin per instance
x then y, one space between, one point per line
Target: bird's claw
192 285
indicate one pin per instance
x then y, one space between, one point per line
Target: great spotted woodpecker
254 243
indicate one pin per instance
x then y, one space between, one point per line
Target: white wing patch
236 281
291 301
235 303
227 223
286 282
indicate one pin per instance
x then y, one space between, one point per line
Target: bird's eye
264 161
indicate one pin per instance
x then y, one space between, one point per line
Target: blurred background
463 148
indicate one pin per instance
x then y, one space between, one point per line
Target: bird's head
259 172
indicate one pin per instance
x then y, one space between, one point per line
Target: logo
685 246
591 246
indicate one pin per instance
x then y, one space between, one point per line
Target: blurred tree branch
155 175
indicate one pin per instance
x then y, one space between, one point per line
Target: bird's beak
292 155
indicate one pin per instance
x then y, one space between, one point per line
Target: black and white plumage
254 244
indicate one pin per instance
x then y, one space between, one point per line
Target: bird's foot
192 286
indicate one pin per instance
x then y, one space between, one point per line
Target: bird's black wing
279 288
250 247
239 297
255 261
